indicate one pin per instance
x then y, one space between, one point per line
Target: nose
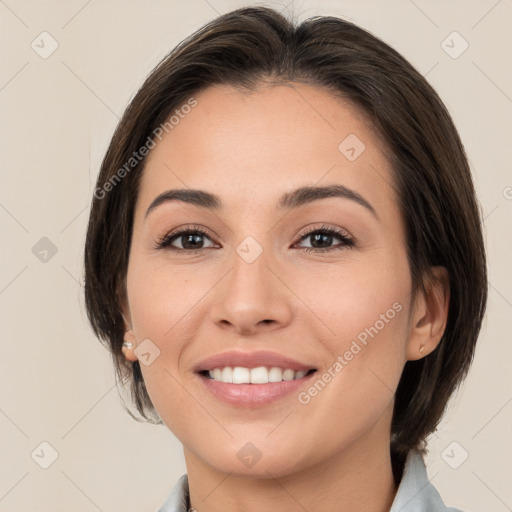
251 298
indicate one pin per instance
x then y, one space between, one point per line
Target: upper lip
251 360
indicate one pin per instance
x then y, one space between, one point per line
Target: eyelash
347 242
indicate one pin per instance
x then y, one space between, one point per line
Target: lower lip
253 395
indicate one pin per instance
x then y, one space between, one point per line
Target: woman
285 258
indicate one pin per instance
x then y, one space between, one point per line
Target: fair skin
333 452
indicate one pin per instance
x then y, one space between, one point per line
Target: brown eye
322 238
188 240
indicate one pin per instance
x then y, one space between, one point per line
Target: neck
359 477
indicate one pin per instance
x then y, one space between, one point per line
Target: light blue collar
415 492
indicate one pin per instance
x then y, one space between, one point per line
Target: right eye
189 240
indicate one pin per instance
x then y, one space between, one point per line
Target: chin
255 459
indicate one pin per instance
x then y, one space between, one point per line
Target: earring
127 344
422 349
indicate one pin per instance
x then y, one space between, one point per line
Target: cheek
363 313
161 296
358 299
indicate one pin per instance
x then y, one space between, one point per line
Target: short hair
246 48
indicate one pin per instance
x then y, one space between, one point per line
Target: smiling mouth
260 375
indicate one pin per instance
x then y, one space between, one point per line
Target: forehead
249 147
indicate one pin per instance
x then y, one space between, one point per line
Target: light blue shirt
415 492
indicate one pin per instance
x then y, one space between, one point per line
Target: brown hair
246 47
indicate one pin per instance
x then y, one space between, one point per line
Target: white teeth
288 375
227 374
241 375
260 375
275 375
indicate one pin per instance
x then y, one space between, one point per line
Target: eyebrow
288 201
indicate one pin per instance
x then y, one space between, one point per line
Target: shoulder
415 492
178 499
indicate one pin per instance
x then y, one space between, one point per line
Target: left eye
322 237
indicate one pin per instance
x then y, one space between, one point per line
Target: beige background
58 114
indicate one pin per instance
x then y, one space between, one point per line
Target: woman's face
266 276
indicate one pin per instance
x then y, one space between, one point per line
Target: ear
129 336
429 315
